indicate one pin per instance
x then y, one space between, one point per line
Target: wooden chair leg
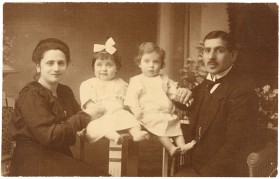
165 157
115 159
173 166
123 159
132 159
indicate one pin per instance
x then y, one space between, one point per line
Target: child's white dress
153 95
110 95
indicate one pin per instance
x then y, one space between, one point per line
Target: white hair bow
108 46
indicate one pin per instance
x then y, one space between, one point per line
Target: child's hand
171 91
139 114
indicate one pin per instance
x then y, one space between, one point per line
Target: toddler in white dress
107 93
150 95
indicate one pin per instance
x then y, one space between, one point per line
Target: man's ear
234 55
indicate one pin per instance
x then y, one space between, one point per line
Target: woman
47 118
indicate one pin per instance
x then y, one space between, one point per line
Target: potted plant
7 54
192 74
268 106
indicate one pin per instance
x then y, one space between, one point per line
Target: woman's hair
46 45
50 44
105 55
147 48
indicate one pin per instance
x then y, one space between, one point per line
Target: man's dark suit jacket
228 128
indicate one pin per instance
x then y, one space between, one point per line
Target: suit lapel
217 100
214 105
199 96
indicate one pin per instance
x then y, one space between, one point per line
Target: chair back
8 144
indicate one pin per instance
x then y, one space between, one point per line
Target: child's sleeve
171 89
133 93
84 94
123 90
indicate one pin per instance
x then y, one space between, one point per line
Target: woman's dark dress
44 128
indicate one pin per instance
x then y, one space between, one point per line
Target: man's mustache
212 63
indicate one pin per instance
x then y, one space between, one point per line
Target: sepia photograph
140 89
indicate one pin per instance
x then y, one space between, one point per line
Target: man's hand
184 96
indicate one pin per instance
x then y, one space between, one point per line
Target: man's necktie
210 83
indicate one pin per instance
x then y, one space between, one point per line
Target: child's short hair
105 55
150 47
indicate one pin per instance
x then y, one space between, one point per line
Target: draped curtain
255 28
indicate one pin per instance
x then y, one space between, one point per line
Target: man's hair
231 45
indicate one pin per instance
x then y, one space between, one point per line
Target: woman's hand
184 96
95 111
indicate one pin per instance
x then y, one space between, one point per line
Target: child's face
105 69
150 64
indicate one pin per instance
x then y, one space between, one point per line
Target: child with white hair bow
107 93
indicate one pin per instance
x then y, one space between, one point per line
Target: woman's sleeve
46 126
132 94
84 94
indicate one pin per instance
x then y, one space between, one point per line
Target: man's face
216 56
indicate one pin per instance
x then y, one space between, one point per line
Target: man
222 114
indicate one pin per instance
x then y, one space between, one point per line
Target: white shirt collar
219 75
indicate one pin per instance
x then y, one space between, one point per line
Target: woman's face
52 66
105 69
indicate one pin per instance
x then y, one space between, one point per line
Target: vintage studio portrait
143 89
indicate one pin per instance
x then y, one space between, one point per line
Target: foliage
194 71
192 74
7 48
268 105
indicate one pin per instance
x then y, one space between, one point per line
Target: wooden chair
263 163
173 164
8 144
123 159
